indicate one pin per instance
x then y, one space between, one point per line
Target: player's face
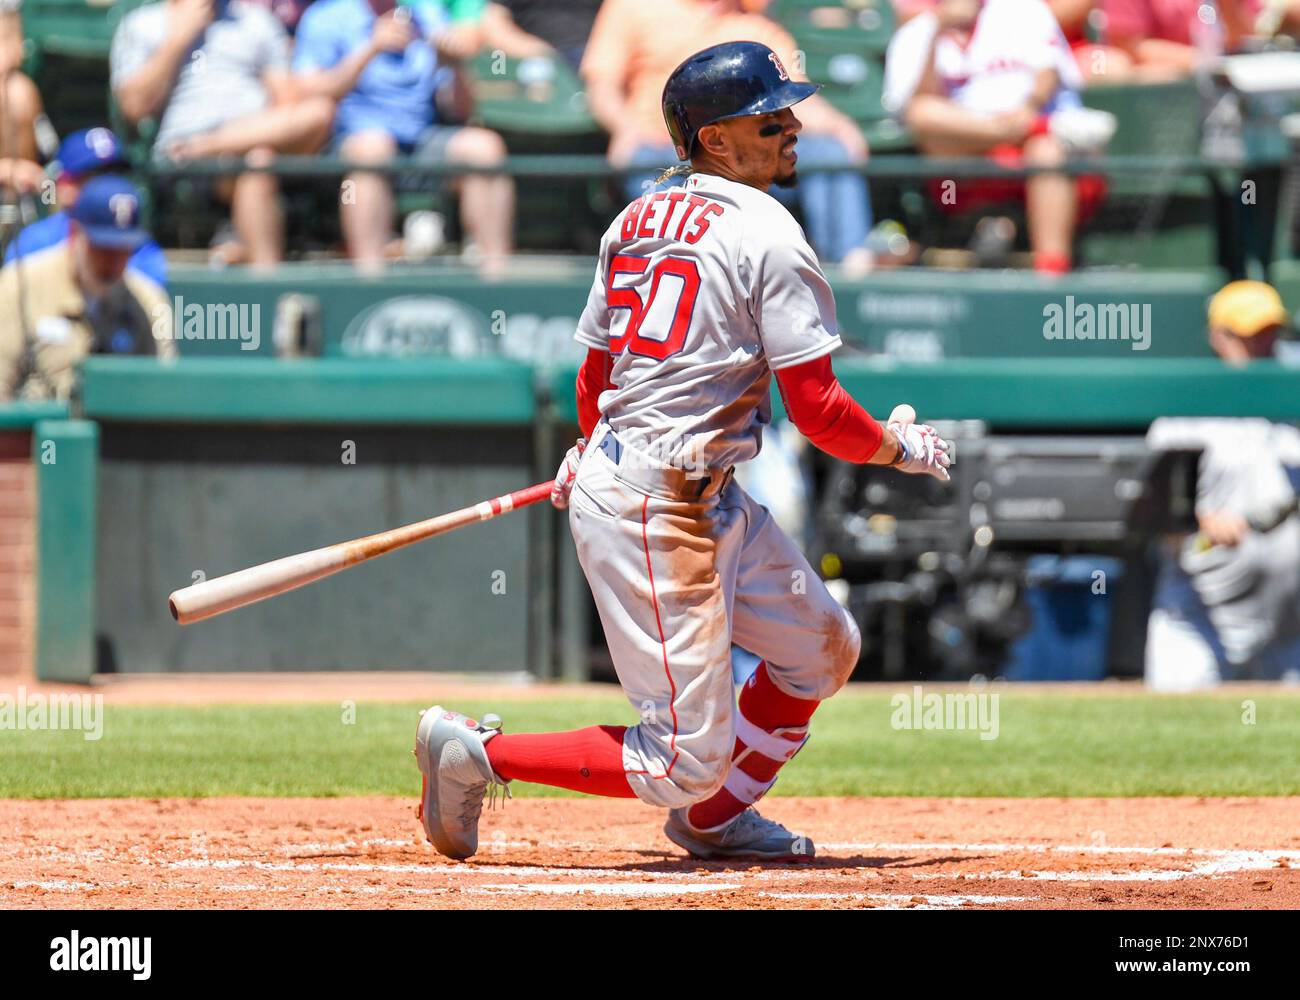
760 149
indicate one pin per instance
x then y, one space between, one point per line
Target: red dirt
560 853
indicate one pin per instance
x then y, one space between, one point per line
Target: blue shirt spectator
394 93
84 154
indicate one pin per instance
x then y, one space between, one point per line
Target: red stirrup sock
585 760
769 717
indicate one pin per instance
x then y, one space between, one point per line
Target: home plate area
899 853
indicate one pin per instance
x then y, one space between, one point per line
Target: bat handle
511 501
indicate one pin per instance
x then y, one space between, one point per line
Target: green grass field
1048 744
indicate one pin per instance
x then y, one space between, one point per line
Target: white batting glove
566 474
922 451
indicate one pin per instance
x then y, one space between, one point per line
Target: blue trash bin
1071 622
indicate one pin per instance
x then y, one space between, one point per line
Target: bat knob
490 721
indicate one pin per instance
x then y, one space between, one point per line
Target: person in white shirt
1227 601
996 78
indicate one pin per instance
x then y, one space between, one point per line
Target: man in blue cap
85 154
79 297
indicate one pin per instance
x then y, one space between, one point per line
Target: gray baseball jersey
700 293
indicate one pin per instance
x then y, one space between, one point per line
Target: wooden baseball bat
257 583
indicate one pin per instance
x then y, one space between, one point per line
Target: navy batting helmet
726 81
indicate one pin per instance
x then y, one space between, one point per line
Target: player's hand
566 474
1223 527
924 452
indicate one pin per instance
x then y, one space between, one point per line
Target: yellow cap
1246 307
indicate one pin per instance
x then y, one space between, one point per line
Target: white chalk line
461 871
321 847
1274 853
498 844
904 897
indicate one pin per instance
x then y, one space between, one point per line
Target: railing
595 167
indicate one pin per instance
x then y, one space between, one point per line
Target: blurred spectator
78 298
287 12
83 156
996 78
524 28
462 39
217 71
1277 17
1227 601
1097 63
1166 39
634 46
25 133
20 175
395 83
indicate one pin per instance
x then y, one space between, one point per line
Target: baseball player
701 293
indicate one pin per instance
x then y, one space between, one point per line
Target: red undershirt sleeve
593 379
827 415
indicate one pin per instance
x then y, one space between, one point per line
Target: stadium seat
1157 220
1153 119
863 25
539 107
852 80
537 95
69 27
66 45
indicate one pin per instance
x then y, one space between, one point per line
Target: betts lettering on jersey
649 218
696 310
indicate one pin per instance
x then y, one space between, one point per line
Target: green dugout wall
210 466
233 458
910 315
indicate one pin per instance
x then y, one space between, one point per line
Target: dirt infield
872 853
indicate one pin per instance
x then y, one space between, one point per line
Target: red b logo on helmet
780 70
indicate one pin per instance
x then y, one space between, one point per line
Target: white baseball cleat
749 835
450 749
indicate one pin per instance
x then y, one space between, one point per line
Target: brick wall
17 553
